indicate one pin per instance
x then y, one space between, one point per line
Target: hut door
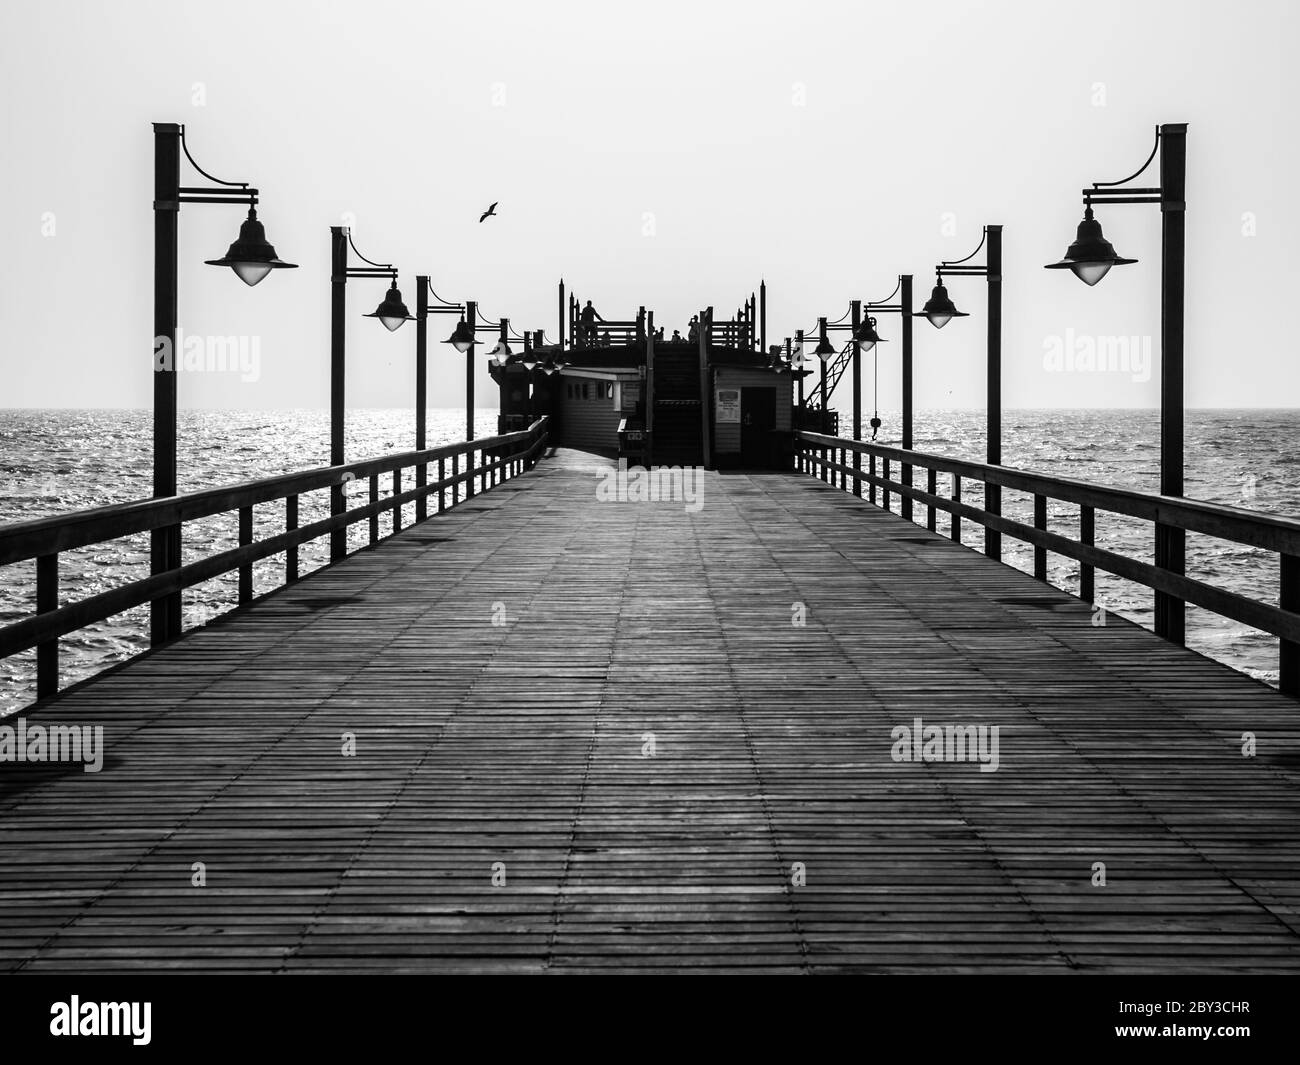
757 426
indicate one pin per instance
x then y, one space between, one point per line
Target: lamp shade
1091 255
825 350
250 256
392 312
866 336
462 337
939 309
501 353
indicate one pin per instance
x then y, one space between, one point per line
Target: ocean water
54 461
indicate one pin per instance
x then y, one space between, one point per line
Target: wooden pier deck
522 743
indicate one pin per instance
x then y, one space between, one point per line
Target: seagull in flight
491 212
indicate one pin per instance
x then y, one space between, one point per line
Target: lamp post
903 308
824 351
391 313
423 308
251 258
1091 257
940 310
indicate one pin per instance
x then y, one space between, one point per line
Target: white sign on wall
728 405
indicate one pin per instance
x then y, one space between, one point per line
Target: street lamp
940 310
391 312
463 340
1091 255
251 258
903 308
1090 258
423 309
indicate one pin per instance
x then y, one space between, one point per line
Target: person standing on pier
589 318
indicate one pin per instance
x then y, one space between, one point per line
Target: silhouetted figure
589 319
693 332
491 212
677 336
659 333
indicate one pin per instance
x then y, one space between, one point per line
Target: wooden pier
501 665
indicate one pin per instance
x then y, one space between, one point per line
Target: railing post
455 473
931 486
471 468
246 570
873 483
1288 673
1087 522
374 516
885 491
1040 523
442 489
397 509
956 498
291 553
47 599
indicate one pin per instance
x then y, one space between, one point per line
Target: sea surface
54 461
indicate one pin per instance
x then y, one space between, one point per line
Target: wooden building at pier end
709 396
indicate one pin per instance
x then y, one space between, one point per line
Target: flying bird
491 212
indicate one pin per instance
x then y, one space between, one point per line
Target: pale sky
670 155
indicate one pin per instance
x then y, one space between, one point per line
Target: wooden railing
608 334
487 462
852 464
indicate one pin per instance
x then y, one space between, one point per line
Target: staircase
678 435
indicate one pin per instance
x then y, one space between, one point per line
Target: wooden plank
499 667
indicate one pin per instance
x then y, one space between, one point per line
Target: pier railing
477 465
851 465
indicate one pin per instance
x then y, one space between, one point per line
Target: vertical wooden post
855 317
803 402
338 342
1086 533
1289 599
442 490
648 392
374 516
471 316
291 552
993 492
762 317
956 498
246 570
561 314
397 509
905 302
165 543
421 388
1171 542
931 486
886 488
47 599
706 391
1040 523
873 483
455 474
